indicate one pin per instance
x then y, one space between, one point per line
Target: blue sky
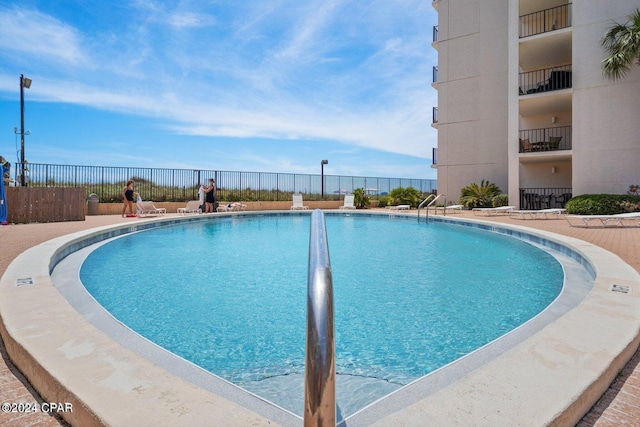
256 85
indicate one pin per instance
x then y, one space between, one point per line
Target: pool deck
620 405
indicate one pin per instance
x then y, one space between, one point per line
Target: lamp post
322 163
25 82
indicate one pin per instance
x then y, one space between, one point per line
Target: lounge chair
603 220
551 213
559 79
297 203
501 210
450 208
399 207
348 202
146 208
193 206
231 207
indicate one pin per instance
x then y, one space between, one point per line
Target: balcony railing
435 74
544 198
435 33
546 20
434 156
545 139
546 79
435 115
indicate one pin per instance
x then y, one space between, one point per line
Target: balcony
543 21
434 114
546 80
550 50
545 139
435 34
434 156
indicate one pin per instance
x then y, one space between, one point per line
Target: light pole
25 82
322 163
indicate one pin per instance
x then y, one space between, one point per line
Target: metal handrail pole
431 202
320 364
422 204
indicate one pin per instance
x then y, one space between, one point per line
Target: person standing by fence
210 196
127 198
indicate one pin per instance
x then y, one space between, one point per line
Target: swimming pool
550 370
233 302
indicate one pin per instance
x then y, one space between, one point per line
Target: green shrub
479 196
384 201
500 200
405 196
600 204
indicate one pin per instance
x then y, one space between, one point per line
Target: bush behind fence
179 185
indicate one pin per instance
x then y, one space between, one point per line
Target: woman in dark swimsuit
127 197
210 196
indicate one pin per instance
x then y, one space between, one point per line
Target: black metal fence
544 198
546 79
542 21
178 185
542 139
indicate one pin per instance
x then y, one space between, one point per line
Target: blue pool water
230 296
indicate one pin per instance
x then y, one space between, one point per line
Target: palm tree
360 198
479 196
622 43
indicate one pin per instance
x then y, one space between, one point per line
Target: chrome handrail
320 364
431 202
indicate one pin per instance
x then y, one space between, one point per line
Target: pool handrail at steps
320 364
431 202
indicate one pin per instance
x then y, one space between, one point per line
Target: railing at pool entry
431 199
320 364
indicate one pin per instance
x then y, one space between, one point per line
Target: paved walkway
620 406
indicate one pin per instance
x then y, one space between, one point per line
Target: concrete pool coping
558 373
577 282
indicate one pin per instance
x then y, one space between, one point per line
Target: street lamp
322 163
25 82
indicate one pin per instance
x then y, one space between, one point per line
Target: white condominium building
523 102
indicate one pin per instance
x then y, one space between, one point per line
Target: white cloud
306 28
29 32
191 20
